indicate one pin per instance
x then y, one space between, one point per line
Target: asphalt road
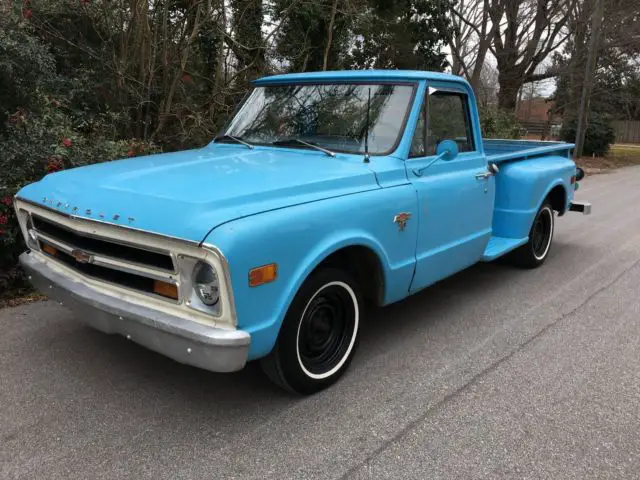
493 373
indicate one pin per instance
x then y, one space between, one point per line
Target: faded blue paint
200 189
295 207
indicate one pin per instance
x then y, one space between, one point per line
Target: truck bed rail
499 150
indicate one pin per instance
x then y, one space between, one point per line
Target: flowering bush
43 130
36 143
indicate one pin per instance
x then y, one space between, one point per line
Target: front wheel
319 334
533 253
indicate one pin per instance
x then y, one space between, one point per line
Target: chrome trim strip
226 273
111 262
80 275
110 240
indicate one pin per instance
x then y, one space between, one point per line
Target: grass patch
620 155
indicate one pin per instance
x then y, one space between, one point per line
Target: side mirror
447 150
579 174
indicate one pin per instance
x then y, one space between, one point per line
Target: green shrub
497 123
43 129
45 140
598 137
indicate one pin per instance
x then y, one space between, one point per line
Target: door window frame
424 107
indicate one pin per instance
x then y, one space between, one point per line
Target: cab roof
360 75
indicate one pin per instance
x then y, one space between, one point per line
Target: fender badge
401 219
81 256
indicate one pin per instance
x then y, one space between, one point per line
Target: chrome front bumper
183 340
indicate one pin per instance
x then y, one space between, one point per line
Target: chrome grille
117 263
104 247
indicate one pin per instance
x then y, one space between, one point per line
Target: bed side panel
521 187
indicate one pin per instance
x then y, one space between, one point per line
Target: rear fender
522 186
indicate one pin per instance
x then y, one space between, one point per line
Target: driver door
455 196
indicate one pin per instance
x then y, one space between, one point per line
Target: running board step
499 246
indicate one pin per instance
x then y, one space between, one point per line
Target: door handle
492 169
483 176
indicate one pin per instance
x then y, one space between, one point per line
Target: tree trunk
325 60
594 45
510 84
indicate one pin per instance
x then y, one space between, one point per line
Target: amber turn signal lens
165 289
49 249
263 274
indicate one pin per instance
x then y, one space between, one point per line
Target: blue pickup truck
324 192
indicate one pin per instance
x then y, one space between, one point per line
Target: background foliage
84 81
598 138
498 123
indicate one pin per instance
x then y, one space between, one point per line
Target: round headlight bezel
206 284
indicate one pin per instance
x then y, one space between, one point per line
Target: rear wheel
319 334
533 253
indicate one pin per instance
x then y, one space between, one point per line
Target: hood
186 194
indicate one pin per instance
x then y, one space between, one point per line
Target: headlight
202 285
206 284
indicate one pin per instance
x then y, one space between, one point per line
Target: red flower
17 117
186 78
54 164
67 142
7 200
4 219
27 13
1 232
131 153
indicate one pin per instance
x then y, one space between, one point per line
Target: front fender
299 238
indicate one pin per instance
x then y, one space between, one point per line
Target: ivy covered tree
403 34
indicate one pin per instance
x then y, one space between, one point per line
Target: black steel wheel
533 253
319 334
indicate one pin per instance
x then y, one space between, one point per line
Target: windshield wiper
297 141
234 139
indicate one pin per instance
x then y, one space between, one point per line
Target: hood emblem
81 256
401 219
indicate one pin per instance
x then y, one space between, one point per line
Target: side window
449 119
420 135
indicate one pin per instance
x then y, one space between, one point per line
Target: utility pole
589 73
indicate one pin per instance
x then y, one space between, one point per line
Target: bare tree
521 35
471 39
525 34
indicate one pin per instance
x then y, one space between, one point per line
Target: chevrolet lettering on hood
88 212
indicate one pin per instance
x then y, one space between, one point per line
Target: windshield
332 116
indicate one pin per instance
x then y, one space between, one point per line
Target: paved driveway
494 373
